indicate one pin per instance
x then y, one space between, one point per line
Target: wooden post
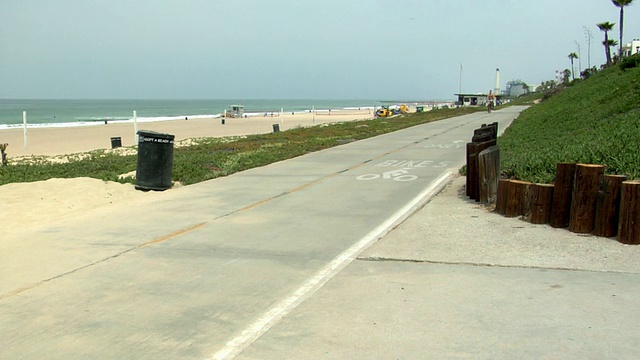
488 172
629 228
473 178
583 202
608 206
563 189
503 195
541 200
494 129
519 198
469 175
483 135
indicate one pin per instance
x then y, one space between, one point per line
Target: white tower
497 90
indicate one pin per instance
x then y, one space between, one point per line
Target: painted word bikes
400 169
413 163
454 145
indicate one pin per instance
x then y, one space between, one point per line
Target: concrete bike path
456 281
202 271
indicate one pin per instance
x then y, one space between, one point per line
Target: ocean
64 113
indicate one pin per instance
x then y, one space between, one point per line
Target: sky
293 49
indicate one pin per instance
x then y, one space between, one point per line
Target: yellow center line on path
201 225
284 306
172 235
310 184
152 242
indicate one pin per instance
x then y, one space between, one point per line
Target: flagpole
24 128
460 88
135 126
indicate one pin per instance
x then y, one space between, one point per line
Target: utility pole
589 36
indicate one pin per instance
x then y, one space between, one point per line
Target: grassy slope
596 121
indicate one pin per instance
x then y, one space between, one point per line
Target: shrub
630 62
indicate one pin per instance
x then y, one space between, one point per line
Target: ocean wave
97 121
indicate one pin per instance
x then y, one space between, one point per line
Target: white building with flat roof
631 48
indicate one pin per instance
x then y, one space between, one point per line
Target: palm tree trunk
573 75
607 48
621 27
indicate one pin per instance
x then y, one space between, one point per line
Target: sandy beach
49 202
71 140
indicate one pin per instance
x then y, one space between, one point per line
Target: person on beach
3 154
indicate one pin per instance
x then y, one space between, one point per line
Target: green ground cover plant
595 121
215 157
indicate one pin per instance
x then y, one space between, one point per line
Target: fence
582 198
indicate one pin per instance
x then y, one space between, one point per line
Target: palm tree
607 45
571 57
621 4
606 27
565 76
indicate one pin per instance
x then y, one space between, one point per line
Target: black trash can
276 127
116 142
155 161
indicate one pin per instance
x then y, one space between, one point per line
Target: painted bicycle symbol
397 175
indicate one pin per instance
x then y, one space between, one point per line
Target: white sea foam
100 121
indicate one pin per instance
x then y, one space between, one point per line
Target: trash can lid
154 134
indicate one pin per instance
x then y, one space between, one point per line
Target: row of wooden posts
582 198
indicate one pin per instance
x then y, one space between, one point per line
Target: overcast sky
291 49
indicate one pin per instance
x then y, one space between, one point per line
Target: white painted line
311 285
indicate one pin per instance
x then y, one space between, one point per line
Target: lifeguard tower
237 111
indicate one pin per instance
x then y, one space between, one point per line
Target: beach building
471 99
631 48
516 88
478 99
559 78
